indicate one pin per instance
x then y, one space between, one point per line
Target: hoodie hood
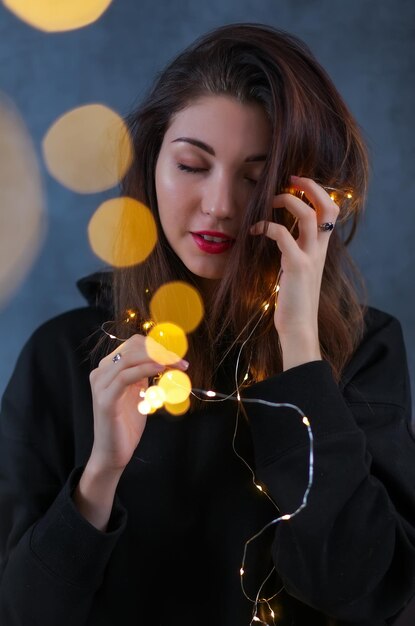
97 289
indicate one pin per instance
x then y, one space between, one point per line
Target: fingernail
184 363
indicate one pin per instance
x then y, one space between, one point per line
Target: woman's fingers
326 210
143 348
103 377
135 342
134 353
128 377
306 217
279 234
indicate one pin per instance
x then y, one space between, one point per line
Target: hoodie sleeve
52 560
350 552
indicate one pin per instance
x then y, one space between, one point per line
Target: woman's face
211 157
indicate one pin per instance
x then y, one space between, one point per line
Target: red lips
212 241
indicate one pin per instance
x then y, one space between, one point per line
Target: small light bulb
285 517
211 394
272 614
246 376
241 571
238 397
155 396
259 487
256 619
332 196
349 195
113 337
266 306
305 421
147 325
142 393
144 407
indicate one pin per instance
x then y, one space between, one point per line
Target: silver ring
116 357
325 227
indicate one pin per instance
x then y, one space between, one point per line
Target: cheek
172 188
168 200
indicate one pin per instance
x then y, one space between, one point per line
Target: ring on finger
325 227
116 357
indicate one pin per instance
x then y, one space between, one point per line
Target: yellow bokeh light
22 204
88 149
155 396
178 409
122 232
164 341
144 407
176 386
179 303
57 15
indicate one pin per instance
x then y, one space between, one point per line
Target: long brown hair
314 135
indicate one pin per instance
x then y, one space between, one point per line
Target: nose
219 198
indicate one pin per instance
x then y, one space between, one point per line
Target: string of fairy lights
155 396
174 386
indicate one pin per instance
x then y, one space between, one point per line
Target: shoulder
382 340
51 374
76 329
378 370
60 345
73 324
381 325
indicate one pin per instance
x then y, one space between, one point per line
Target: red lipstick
212 241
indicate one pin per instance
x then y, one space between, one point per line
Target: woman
247 157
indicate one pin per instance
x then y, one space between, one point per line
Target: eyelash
186 168
197 170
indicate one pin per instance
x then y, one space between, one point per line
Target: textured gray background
368 47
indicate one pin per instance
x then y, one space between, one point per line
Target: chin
203 271
206 274
205 278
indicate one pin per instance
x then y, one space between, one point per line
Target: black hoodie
186 504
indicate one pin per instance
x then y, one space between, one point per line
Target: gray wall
368 48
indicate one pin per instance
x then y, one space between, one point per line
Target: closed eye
187 168
197 170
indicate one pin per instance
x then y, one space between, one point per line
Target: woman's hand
115 385
302 264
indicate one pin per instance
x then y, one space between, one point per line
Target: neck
207 288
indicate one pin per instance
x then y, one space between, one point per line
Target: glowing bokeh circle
122 232
88 149
57 15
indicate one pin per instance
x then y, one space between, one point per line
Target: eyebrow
204 146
